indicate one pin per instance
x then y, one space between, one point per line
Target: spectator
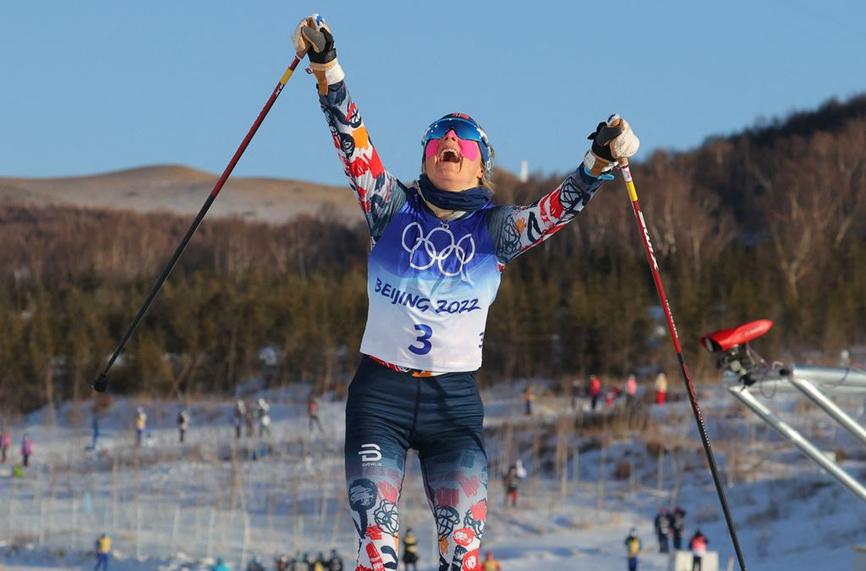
698 545
320 563
630 391
140 425
239 418
300 563
26 449
5 443
594 391
313 413
633 547
410 550
678 524
490 563
516 473
103 551
264 417
845 359
95 426
255 565
661 387
183 423
611 396
335 563
663 528
528 399
220 565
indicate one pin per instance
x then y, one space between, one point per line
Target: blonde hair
487 175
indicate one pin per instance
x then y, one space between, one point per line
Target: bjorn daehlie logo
370 453
438 247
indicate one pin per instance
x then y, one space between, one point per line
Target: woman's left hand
611 141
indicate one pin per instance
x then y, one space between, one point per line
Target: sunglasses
465 128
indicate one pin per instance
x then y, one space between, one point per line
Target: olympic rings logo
450 259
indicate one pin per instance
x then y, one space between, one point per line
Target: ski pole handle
626 176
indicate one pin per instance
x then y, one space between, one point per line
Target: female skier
438 248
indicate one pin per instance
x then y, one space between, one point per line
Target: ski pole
696 408
101 382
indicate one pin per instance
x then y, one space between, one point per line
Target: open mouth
449 156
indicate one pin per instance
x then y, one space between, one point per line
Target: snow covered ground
178 506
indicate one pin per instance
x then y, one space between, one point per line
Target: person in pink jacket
630 391
26 449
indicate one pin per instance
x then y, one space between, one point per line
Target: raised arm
378 192
516 229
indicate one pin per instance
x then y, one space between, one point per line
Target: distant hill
183 190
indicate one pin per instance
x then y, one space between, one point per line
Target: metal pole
748 399
829 407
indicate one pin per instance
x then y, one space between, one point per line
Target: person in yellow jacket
633 547
140 425
490 563
103 550
410 550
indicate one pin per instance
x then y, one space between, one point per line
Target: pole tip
101 383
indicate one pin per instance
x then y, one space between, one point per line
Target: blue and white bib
430 284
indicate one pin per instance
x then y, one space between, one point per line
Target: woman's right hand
313 32
312 37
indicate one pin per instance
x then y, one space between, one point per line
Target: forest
766 223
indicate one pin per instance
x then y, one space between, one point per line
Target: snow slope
172 506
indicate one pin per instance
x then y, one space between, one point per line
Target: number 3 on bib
426 332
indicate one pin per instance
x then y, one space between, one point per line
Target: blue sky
102 85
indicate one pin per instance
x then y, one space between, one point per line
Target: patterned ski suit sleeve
516 229
378 192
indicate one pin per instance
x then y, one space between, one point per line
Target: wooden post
632 478
74 545
536 463
246 539
599 501
575 467
210 526
563 479
138 530
175 529
115 490
41 522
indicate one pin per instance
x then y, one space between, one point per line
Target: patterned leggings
389 412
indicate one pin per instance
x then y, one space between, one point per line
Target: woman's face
453 164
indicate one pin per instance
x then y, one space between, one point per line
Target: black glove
611 141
